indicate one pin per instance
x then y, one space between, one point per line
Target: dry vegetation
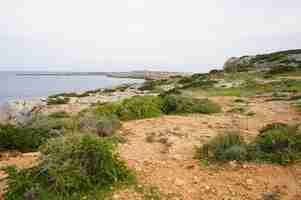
209 136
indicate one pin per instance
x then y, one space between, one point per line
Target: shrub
140 107
107 109
148 85
174 91
23 138
278 143
229 146
58 100
281 69
271 196
30 136
179 104
78 167
101 125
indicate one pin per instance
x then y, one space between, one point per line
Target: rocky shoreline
20 111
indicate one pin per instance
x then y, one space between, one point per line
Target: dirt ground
162 152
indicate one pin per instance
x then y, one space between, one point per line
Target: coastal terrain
229 134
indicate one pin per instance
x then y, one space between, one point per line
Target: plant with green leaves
176 104
72 167
140 107
224 147
29 137
277 143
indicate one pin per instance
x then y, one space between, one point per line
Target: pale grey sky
122 35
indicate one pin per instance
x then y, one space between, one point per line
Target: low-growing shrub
179 104
140 107
61 114
58 100
174 91
281 69
29 136
101 125
23 138
77 167
225 147
278 143
107 109
148 85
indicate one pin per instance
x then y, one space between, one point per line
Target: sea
15 86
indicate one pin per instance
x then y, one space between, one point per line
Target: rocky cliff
263 62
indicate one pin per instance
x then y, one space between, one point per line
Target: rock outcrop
264 62
20 111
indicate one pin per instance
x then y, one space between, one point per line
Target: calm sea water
26 87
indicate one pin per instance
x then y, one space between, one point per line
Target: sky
124 35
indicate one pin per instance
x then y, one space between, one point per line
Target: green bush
30 136
224 147
148 85
107 109
178 104
58 100
23 138
77 167
140 107
100 125
174 91
281 69
278 143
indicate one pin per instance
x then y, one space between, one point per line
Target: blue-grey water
26 87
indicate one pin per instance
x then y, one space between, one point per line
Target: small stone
177 157
179 182
207 188
233 163
249 182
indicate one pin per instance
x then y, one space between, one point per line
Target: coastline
146 75
21 110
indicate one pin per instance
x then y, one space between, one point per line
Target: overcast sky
122 35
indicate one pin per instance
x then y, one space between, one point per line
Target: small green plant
278 143
72 167
107 109
178 104
224 147
271 196
238 109
58 100
101 125
149 192
239 101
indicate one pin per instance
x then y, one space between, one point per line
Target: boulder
19 111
